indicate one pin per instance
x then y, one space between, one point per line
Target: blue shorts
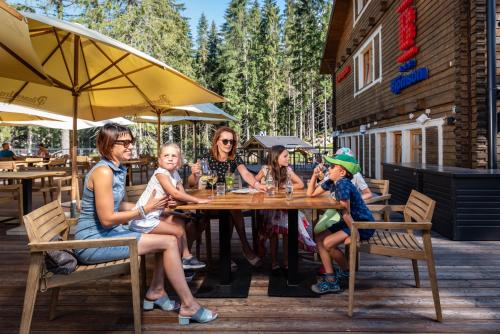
106 254
364 234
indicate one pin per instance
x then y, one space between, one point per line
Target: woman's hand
155 203
196 168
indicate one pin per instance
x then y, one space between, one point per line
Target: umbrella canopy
98 77
178 120
14 115
109 78
17 56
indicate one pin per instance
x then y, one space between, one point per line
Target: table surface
234 201
30 175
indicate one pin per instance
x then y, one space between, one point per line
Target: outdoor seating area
174 178
385 295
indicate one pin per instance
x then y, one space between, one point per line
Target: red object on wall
407 30
343 74
408 54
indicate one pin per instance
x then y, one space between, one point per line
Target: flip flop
201 316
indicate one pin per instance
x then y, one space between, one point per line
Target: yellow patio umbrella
14 116
95 77
18 59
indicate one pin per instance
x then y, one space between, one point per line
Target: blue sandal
164 303
201 316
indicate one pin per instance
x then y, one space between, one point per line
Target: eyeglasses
228 141
125 143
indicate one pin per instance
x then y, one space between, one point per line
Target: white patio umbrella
189 114
95 77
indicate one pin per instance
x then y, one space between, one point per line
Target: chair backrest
378 186
57 162
419 208
45 223
64 185
132 193
8 166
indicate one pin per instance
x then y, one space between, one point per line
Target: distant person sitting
43 152
6 152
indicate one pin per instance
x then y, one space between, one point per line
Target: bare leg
239 224
174 226
331 243
157 286
323 252
172 261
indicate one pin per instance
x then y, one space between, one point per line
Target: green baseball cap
346 161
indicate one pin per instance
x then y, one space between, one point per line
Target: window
368 63
359 8
416 145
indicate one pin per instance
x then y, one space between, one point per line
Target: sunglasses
228 141
125 143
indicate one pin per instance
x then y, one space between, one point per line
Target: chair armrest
393 225
377 199
396 208
91 243
377 207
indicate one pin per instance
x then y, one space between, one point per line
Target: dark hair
107 136
4 144
41 145
278 172
214 150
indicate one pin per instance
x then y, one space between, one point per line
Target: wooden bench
388 241
48 222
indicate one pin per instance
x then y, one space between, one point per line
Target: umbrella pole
158 134
74 134
194 142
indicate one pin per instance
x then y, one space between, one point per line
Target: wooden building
409 81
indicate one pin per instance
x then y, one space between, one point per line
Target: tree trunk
313 130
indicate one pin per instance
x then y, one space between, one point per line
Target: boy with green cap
341 170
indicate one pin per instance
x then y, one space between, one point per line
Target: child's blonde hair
175 146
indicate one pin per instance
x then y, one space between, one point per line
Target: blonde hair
175 146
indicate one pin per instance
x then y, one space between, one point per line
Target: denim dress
89 226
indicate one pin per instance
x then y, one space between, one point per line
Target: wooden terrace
385 298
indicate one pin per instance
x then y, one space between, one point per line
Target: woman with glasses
221 158
104 214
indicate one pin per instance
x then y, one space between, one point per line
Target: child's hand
260 187
318 171
155 203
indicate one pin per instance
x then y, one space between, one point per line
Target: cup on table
220 188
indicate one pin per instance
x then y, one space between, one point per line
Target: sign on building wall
409 73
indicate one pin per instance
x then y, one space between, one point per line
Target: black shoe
189 274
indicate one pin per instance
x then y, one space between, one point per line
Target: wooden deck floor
386 300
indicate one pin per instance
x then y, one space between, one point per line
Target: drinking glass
212 180
229 181
221 189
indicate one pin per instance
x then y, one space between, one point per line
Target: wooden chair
417 213
380 190
63 184
14 193
47 222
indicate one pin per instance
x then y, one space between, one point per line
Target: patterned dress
276 222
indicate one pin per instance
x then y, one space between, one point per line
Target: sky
213 9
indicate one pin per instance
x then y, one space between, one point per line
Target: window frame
356 16
359 63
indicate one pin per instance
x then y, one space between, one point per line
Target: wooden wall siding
431 139
434 38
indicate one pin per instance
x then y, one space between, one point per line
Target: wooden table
27 181
292 285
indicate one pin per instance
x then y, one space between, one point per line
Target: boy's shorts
364 234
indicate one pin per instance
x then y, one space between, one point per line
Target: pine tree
233 59
212 65
270 62
201 57
255 113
